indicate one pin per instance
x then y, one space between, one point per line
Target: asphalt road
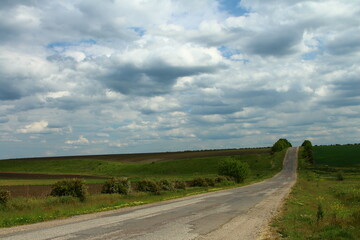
238 213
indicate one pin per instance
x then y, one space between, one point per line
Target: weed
210 181
199 182
69 187
319 213
166 185
4 197
179 185
117 185
148 186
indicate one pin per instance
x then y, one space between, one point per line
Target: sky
85 77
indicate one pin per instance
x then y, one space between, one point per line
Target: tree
234 168
307 144
308 151
280 145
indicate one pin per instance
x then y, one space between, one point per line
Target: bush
166 185
234 168
210 182
4 197
224 180
117 185
69 187
148 186
199 182
280 145
179 185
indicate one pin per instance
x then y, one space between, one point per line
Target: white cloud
79 141
36 127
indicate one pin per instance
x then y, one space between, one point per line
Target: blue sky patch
232 7
227 52
309 56
61 46
140 31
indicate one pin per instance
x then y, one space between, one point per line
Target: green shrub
4 197
69 187
117 185
210 182
224 180
280 145
179 185
166 185
199 182
234 168
148 186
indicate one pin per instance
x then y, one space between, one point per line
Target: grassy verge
321 206
30 210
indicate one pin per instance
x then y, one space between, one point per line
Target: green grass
30 210
318 185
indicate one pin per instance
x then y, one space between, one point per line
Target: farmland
325 202
129 165
40 207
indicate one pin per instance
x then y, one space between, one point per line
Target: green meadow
325 201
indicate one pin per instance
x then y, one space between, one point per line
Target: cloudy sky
101 76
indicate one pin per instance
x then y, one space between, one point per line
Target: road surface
239 213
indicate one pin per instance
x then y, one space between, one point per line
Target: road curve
239 213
